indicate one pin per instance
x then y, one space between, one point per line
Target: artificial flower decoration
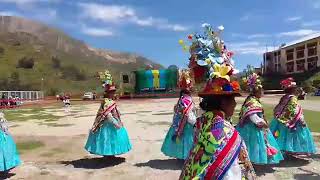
211 62
221 71
185 81
235 85
288 83
253 81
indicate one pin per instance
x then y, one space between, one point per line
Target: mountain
34 51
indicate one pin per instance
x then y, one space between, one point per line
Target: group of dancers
211 146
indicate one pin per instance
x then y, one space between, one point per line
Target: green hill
31 51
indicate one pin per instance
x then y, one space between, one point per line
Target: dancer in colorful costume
9 157
108 137
288 125
253 128
179 139
219 151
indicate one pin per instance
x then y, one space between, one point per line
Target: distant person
289 126
9 157
58 97
179 139
108 137
254 129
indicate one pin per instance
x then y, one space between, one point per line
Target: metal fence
23 95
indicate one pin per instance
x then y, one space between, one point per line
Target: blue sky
153 28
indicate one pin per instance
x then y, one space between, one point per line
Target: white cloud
259 35
107 13
249 47
8 13
97 32
28 2
124 14
251 36
311 23
297 33
294 18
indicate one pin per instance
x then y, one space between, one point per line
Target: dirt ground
61 155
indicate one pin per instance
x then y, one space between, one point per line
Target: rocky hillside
32 51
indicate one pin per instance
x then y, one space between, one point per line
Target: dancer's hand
262 125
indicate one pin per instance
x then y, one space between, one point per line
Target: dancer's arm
260 122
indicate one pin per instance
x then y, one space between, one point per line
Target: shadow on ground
95 163
262 170
308 175
292 161
163 164
6 175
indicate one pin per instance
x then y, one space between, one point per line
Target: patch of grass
29 145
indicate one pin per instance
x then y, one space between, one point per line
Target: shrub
73 73
1 50
53 91
56 63
26 63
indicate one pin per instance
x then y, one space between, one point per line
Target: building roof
306 38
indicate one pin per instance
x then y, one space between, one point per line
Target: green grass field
312 117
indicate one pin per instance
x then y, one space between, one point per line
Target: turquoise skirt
298 141
254 140
108 141
9 157
179 150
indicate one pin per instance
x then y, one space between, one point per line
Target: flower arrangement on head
211 62
185 82
288 83
106 80
253 82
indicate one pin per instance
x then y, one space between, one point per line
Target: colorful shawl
3 123
107 106
182 109
289 112
251 105
217 145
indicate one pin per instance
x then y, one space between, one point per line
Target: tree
73 73
26 63
14 81
1 50
56 63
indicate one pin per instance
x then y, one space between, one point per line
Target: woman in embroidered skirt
288 125
253 128
179 139
108 137
9 157
219 151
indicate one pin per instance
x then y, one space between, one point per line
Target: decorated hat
253 82
211 62
288 83
185 82
106 80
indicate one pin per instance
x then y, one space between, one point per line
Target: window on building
300 52
290 67
300 65
312 63
125 78
312 49
289 54
268 57
277 67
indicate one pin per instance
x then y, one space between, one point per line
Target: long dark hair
214 102
184 91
